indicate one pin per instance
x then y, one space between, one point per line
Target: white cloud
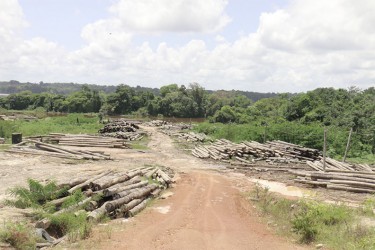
306 45
172 15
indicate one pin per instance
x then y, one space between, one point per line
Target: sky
252 45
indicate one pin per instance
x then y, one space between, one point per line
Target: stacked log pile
346 180
123 130
276 151
155 123
39 148
84 140
121 194
193 137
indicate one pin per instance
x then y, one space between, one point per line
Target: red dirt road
205 212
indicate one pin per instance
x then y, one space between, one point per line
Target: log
91 206
44 223
150 173
105 183
350 189
132 212
121 186
126 207
97 213
354 183
124 191
87 183
71 208
138 193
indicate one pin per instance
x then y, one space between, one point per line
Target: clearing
206 210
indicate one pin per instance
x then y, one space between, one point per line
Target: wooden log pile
121 194
346 180
33 147
193 137
84 140
122 129
274 151
155 123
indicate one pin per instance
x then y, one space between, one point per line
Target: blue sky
276 45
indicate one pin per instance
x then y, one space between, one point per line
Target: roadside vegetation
313 222
38 196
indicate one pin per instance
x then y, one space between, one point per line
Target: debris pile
123 130
39 148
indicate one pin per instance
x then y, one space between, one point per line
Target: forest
298 118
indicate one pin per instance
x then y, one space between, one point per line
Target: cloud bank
307 44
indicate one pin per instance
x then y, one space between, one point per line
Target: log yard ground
206 207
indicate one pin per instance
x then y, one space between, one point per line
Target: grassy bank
72 123
312 222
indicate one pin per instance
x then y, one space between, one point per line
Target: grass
335 226
4 147
37 196
367 158
19 235
72 124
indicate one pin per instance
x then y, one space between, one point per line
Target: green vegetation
336 226
71 123
299 118
37 196
19 235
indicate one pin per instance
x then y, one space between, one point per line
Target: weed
19 235
368 206
35 195
75 226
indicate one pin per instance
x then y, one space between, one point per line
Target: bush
19 235
312 216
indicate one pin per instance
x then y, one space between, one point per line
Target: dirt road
205 212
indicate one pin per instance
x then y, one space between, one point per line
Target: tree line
339 109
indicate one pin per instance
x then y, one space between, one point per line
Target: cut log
132 212
126 207
87 183
124 191
139 193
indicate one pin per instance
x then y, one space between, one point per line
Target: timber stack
155 123
345 180
192 137
34 147
121 194
275 151
84 140
122 129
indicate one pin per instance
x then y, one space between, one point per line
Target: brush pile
118 194
44 149
122 129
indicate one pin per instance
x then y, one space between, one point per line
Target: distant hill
13 86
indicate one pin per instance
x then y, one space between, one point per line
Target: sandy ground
206 211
